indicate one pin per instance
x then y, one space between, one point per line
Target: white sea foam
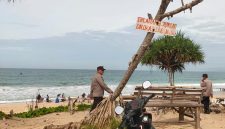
27 93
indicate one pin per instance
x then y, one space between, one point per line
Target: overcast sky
82 34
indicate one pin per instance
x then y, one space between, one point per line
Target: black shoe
206 112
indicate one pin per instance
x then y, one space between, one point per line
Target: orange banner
151 25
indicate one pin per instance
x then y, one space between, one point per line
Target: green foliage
170 53
89 127
82 107
42 111
114 124
2 115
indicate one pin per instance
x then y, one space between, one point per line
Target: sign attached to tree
152 25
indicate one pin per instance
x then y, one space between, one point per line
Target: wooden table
180 99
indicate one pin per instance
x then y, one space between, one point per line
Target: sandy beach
41 122
212 121
169 120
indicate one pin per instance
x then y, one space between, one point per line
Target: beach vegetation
2 115
82 107
88 127
43 111
171 53
113 124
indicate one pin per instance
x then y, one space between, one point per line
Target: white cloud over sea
84 34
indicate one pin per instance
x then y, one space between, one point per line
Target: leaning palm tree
171 53
103 113
104 105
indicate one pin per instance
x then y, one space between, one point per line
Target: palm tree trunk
170 76
173 78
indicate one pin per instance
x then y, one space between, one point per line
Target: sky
82 34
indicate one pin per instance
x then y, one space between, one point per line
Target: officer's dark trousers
97 100
205 101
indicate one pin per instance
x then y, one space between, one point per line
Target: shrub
82 107
2 115
41 111
115 122
44 111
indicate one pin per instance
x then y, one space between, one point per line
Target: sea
23 85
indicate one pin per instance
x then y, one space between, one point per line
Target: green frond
172 52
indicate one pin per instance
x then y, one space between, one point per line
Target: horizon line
152 70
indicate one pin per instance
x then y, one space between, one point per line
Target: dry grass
101 116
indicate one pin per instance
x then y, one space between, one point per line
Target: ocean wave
27 93
215 85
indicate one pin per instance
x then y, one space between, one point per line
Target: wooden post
197 117
121 101
139 93
181 114
173 93
70 105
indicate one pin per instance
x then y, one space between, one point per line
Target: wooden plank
191 99
148 93
154 89
168 104
167 94
190 90
164 89
186 121
176 98
167 101
129 97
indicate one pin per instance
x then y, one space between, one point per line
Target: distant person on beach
39 98
47 98
83 97
98 86
63 97
206 85
57 98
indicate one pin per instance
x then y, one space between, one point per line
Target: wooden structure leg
197 117
181 113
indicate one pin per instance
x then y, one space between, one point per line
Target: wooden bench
181 99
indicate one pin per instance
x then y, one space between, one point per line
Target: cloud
202 30
89 49
86 49
31 19
75 34
12 49
20 24
57 18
